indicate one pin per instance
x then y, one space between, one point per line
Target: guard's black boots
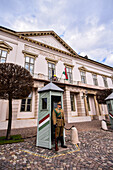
62 143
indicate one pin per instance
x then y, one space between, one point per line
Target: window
44 103
26 104
72 102
87 98
112 80
95 80
69 73
4 50
83 77
3 56
51 70
105 81
109 107
29 64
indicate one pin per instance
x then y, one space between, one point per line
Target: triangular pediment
51 41
4 45
49 38
82 68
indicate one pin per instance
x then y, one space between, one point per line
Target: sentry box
109 102
49 96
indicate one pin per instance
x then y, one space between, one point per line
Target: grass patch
13 139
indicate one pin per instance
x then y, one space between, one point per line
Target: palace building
45 54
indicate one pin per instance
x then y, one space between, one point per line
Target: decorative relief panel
56 57
46 54
31 49
66 60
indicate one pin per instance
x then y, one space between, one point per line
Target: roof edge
55 49
38 33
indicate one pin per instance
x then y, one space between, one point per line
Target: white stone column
96 105
80 104
100 110
86 105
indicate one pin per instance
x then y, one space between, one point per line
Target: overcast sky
86 25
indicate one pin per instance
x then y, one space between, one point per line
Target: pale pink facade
46 48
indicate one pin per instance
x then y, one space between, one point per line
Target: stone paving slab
96 152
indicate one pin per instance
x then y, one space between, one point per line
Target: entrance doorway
92 110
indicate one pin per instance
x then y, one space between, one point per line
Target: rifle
56 144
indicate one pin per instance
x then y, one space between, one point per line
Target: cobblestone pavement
96 152
83 126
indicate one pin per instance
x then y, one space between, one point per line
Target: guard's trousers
59 131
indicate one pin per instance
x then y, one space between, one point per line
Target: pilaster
100 110
67 104
86 105
80 104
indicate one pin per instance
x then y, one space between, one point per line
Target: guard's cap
59 103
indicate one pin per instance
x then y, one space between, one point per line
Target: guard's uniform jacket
59 121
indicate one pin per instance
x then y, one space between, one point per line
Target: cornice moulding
93 72
51 60
29 53
69 65
73 53
5 46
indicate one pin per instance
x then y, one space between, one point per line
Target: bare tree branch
102 94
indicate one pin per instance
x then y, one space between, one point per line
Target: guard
59 123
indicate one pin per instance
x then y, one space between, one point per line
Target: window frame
105 81
95 81
70 78
51 68
112 80
29 63
26 103
109 107
84 76
73 108
1 49
46 104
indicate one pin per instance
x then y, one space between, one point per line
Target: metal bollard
104 125
74 136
